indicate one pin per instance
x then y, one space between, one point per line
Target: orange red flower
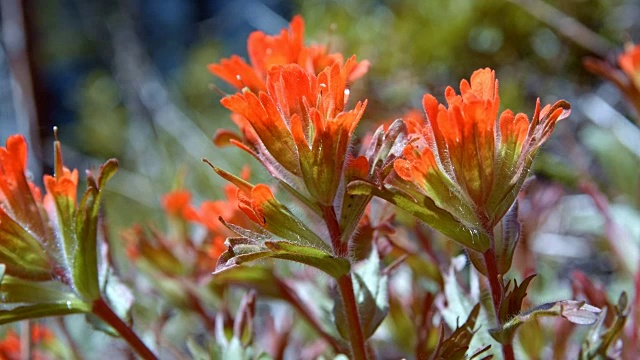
301 124
266 51
629 62
468 160
24 228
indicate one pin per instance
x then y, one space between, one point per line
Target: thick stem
496 294
345 284
104 312
494 283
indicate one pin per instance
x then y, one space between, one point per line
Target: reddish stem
345 284
491 264
102 310
358 348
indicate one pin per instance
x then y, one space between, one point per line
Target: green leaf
18 291
278 219
243 250
43 310
423 208
85 256
320 259
575 311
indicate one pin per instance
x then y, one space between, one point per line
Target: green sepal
279 220
21 252
423 208
85 260
384 148
575 311
52 298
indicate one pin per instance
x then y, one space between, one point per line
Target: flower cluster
49 243
266 51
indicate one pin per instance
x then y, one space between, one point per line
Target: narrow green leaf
85 257
43 310
15 290
320 259
423 208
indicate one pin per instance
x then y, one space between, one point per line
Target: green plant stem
345 284
102 310
496 293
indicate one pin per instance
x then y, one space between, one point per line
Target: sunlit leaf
575 311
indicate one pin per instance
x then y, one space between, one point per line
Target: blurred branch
567 26
14 43
605 116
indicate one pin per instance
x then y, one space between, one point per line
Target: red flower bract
266 51
301 124
629 62
469 161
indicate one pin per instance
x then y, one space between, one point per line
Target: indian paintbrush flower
266 51
626 78
464 166
629 62
301 126
50 245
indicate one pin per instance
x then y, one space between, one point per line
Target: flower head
266 51
629 62
23 222
463 166
466 158
182 251
49 242
301 125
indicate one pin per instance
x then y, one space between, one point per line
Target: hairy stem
358 348
496 293
102 310
345 284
